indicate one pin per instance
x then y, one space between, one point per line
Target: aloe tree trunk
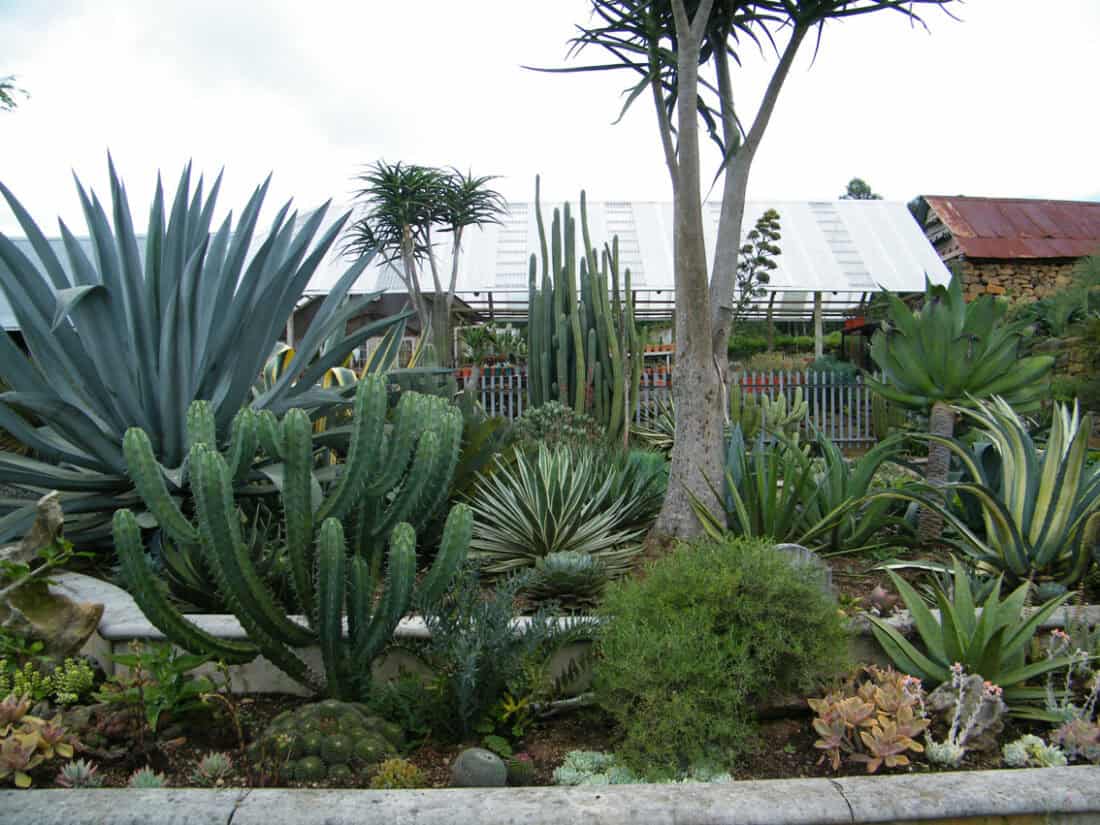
941 422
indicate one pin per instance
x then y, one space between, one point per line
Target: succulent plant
79 773
521 770
146 778
333 739
395 774
212 769
569 577
1080 739
1029 751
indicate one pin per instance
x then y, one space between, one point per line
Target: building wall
1018 280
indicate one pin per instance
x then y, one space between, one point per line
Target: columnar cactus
385 480
583 349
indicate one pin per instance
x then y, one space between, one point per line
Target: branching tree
860 190
756 263
681 53
405 204
9 92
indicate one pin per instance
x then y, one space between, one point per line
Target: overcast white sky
1002 103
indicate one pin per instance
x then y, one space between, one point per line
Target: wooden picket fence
837 405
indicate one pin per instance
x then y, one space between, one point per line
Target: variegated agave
563 500
122 332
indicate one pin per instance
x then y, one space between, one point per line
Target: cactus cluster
776 415
583 347
396 774
389 476
326 741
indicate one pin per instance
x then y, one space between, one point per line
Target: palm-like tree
950 353
405 204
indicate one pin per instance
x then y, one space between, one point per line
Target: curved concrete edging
1051 795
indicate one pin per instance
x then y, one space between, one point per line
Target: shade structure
845 250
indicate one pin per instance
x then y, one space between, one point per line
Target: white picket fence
838 406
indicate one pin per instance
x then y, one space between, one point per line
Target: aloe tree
405 204
131 334
948 353
681 54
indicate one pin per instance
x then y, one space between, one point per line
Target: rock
30 609
478 768
803 557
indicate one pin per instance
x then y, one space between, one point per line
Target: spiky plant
212 769
569 578
949 353
387 478
147 778
130 332
79 773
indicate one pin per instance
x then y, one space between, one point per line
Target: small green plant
479 652
554 423
521 770
874 718
598 768
992 641
1029 751
78 773
146 778
713 628
395 774
569 578
213 769
158 682
70 681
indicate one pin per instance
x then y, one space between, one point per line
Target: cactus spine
382 483
584 349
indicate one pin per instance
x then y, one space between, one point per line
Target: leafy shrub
565 499
554 423
843 370
768 361
689 650
740 345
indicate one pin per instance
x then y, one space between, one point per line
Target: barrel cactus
386 478
339 742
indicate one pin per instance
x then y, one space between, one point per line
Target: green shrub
688 651
843 370
746 344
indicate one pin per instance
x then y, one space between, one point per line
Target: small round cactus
147 778
79 773
336 740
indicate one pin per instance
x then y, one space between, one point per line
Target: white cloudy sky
1002 103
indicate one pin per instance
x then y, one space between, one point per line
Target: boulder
478 768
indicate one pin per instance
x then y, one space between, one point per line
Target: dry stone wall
1018 280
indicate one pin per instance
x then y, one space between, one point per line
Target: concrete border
1052 795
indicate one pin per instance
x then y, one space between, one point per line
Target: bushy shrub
689 650
843 370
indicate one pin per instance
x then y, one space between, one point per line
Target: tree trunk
441 331
941 422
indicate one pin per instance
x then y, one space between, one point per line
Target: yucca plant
1040 507
949 353
563 500
992 640
132 334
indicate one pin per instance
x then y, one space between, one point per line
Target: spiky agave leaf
122 333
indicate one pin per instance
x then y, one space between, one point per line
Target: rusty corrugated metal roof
1020 227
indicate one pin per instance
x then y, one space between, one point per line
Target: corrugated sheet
1008 228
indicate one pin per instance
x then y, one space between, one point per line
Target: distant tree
8 93
404 204
860 190
755 263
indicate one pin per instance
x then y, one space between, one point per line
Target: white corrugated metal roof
842 248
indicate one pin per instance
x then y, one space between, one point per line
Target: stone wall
1018 280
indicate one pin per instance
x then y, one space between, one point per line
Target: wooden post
771 324
819 328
